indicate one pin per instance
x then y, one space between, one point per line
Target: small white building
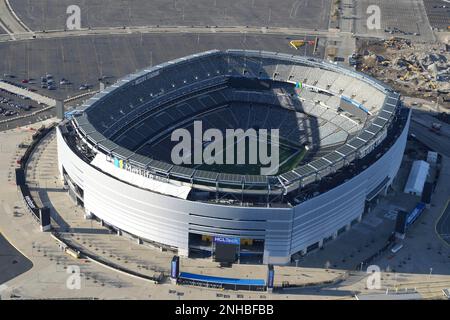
417 177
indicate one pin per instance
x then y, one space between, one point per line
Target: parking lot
13 107
10 256
398 18
83 60
51 14
17 110
438 13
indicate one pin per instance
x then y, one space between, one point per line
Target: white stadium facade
114 153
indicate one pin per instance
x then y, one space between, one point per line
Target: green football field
290 156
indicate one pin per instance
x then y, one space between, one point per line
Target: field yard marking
226 147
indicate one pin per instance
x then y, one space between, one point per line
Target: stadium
342 136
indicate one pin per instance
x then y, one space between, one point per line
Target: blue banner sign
270 276
413 215
175 267
226 240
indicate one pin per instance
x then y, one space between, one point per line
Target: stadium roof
89 126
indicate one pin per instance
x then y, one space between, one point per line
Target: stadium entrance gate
226 250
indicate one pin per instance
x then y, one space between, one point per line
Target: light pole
395 281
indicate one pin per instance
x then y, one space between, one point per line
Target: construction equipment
433 85
390 42
413 67
73 253
406 76
296 44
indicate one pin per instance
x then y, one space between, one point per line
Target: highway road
438 143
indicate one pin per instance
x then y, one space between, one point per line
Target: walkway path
11 24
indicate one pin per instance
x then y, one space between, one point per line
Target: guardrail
82 253
27 198
27 115
81 96
286 285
